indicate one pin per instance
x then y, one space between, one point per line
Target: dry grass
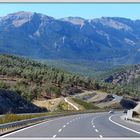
75 103
51 104
57 104
13 117
86 105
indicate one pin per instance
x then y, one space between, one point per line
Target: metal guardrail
12 126
7 127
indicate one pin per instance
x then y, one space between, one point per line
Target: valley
47 87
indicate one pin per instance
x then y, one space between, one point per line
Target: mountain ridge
40 36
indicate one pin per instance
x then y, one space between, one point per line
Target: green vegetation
86 105
3 85
120 90
94 69
33 80
100 71
63 106
115 69
13 117
126 81
81 67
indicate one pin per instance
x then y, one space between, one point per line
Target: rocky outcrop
12 102
128 103
127 76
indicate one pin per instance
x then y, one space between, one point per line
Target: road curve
83 125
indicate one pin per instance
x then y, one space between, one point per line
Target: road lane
47 129
134 127
109 129
83 125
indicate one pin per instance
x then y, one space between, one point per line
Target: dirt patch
51 105
98 97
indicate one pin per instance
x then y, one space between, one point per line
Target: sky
87 11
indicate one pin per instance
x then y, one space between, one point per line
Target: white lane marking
96 130
22 129
67 123
100 136
71 104
123 125
93 126
47 121
54 136
64 126
59 130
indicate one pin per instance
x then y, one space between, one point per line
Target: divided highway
83 125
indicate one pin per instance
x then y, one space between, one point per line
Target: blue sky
87 11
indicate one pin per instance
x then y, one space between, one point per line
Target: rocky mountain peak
106 38
74 20
114 22
17 19
20 18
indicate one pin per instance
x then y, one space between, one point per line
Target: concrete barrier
129 114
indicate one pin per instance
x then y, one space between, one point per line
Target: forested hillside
129 77
36 80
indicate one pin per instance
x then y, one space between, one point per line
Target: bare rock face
128 104
12 102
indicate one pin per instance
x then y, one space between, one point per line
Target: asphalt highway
97 125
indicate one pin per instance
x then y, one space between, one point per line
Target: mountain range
112 40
